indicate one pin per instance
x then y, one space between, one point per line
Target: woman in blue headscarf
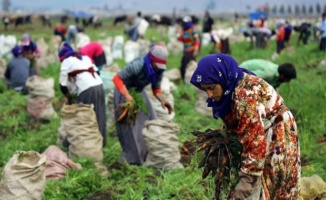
137 75
256 113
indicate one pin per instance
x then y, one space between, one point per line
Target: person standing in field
280 36
78 75
137 75
287 33
17 71
265 127
191 42
272 73
322 44
208 23
131 27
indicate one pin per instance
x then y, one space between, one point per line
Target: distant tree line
298 9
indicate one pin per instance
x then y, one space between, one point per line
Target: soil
29 125
185 96
57 104
187 152
101 195
115 165
304 161
322 139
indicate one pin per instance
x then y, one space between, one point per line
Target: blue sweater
17 71
134 75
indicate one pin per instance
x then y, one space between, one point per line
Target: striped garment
190 39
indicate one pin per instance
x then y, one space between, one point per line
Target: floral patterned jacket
268 133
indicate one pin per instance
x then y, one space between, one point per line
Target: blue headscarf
187 25
65 51
17 51
218 69
151 73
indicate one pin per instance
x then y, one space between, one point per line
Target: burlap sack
201 105
162 113
174 45
131 51
143 46
167 87
173 74
162 143
40 95
23 177
312 187
117 47
57 163
38 86
80 125
40 107
191 67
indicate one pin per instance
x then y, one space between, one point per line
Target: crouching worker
138 74
93 50
17 71
79 75
272 73
265 127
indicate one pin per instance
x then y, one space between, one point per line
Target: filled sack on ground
40 97
79 125
23 177
312 187
162 143
57 163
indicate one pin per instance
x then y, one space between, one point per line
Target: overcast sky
156 5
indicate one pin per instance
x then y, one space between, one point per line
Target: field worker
72 32
208 23
322 44
61 31
93 50
138 74
79 75
31 52
272 73
191 42
131 27
17 71
304 32
251 108
280 36
287 33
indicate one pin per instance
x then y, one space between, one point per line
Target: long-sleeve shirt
92 50
323 28
82 81
263 69
135 24
134 75
280 33
17 71
190 39
268 133
31 49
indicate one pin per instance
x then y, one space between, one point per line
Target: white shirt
83 80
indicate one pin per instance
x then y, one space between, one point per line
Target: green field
306 96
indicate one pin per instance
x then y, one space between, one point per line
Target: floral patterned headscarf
218 69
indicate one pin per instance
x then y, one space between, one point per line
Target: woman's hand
129 98
249 187
164 103
168 106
